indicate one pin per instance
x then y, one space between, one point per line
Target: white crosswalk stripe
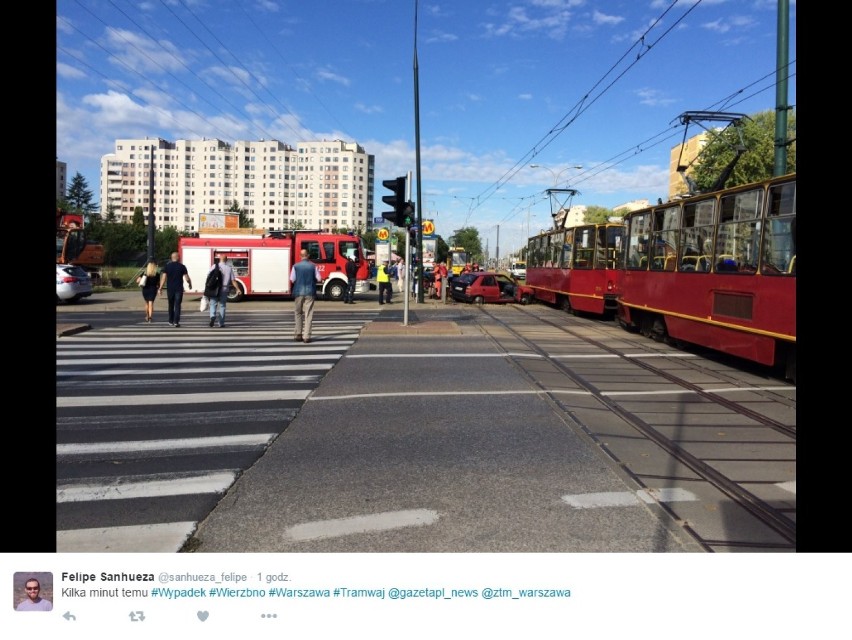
155 423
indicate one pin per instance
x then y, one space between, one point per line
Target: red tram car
717 270
576 269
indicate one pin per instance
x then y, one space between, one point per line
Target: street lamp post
528 220
556 175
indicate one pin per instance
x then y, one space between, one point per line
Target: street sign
382 234
428 228
378 220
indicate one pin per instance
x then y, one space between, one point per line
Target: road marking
788 486
249 351
627 498
168 537
181 370
249 440
157 488
446 355
183 398
402 394
321 529
140 359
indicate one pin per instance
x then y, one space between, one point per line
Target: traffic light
407 219
396 201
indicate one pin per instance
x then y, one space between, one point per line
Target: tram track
738 479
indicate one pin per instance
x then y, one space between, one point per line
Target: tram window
739 232
556 244
614 246
600 248
696 236
567 249
665 238
638 229
584 247
778 250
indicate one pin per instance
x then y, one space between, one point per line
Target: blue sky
502 85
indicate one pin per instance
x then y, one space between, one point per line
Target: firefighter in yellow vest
383 278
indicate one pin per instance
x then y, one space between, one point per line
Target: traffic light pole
406 282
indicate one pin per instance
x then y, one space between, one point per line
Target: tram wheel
658 331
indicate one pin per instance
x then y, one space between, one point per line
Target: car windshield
465 278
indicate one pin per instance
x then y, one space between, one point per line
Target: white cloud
67 71
325 74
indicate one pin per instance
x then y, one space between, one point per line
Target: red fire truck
262 263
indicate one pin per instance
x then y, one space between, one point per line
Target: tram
576 268
716 270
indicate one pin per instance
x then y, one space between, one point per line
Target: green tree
468 237
138 221
441 249
165 242
79 197
757 161
596 214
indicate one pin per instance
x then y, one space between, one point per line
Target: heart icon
202 615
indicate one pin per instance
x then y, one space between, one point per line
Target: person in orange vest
436 272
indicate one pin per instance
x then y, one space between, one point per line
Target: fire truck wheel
235 293
335 290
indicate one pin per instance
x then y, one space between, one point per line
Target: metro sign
428 228
382 234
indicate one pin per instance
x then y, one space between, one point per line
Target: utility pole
782 59
419 244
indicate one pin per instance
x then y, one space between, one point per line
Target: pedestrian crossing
154 423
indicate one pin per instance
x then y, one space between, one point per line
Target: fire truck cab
262 263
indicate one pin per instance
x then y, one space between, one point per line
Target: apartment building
684 154
322 184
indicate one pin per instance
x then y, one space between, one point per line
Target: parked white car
519 270
72 283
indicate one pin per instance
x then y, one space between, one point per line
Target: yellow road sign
383 234
428 228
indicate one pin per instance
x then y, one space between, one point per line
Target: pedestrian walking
173 276
219 297
304 276
351 280
383 279
401 275
149 281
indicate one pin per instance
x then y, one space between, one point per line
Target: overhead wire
584 103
